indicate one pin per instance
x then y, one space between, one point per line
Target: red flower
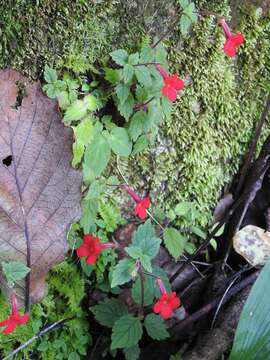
167 303
91 248
233 41
172 84
141 204
14 319
141 207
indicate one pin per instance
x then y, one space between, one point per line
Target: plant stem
147 63
163 36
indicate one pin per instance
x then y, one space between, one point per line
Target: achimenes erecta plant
148 283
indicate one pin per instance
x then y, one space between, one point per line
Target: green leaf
133 59
185 24
156 327
120 142
148 291
96 188
122 92
146 262
132 353
147 54
15 270
184 3
89 214
108 311
135 128
54 89
63 100
140 145
123 272
143 76
145 238
174 242
126 332
75 111
128 73
74 356
119 56
97 156
90 102
78 151
183 208
126 108
167 106
84 131
133 251
50 75
112 75
253 330
161 55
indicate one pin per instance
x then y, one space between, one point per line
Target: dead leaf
39 190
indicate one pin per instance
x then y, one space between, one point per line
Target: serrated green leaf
50 75
75 111
133 59
15 270
63 100
132 353
74 356
133 251
140 145
146 262
90 102
89 214
184 3
197 231
112 75
108 311
185 24
127 332
123 272
156 327
161 55
145 238
122 92
167 106
84 131
128 73
97 156
183 208
126 108
190 248
174 242
78 151
120 57
119 141
147 54
136 125
96 188
143 76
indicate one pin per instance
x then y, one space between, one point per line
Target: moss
208 134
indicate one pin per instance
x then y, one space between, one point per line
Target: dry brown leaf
39 190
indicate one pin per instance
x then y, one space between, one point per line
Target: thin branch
252 147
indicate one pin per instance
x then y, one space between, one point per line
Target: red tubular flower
167 303
14 319
91 248
233 41
172 84
141 204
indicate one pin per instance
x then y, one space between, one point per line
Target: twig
212 305
221 301
252 148
163 36
146 64
41 333
95 347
